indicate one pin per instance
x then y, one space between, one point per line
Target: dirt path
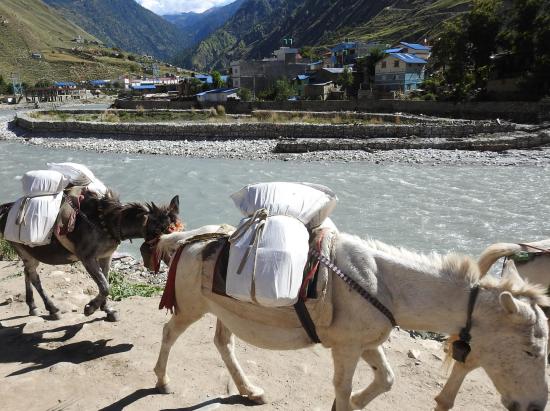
83 363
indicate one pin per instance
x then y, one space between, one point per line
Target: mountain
124 24
30 26
198 26
258 26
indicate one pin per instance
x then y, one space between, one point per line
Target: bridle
461 347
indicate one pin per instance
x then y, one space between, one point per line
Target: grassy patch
7 252
121 288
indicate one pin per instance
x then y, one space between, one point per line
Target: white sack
273 271
309 203
31 219
79 174
40 182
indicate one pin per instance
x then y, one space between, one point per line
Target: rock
414 354
9 299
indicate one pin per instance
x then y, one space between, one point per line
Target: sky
178 6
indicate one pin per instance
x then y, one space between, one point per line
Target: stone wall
224 131
521 112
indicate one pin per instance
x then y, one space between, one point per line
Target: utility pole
16 85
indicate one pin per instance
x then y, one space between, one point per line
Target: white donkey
509 331
535 268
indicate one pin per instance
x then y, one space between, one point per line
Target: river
441 208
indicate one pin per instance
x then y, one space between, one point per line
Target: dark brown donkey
101 225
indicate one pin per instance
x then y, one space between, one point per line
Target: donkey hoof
55 316
164 389
89 309
112 317
258 397
34 311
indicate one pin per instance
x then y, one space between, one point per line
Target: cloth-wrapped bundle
32 217
269 249
80 175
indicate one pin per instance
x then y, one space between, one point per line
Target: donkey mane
464 268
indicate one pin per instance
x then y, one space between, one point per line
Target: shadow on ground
145 392
16 346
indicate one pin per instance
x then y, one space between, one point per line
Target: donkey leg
383 378
225 343
92 267
32 277
112 314
446 398
345 360
170 333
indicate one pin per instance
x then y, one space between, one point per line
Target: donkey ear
511 273
509 303
175 205
154 207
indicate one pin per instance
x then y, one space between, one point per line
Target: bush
245 94
220 110
120 288
140 111
7 252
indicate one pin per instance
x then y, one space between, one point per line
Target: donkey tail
495 251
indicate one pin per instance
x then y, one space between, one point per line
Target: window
236 70
396 63
383 64
396 77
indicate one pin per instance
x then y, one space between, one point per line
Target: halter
461 347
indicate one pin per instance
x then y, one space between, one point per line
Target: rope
358 288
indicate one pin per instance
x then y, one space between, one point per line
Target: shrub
7 252
140 111
220 110
121 288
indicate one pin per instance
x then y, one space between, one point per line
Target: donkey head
160 220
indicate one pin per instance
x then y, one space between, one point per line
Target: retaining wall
223 131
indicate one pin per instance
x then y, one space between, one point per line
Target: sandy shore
83 363
263 150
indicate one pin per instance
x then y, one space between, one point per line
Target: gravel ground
263 150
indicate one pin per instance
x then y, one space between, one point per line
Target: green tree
217 81
282 90
346 80
245 94
43 83
3 85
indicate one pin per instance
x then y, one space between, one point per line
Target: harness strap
349 281
306 321
465 331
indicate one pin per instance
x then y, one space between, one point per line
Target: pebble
414 354
263 150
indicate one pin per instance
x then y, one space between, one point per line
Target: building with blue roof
419 50
399 72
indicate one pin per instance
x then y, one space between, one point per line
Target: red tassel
168 299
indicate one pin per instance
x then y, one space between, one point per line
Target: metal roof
334 70
144 87
302 77
64 84
218 91
394 50
415 46
408 58
343 46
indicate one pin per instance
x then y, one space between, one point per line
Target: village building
419 50
399 72
258 75
318 91
347 52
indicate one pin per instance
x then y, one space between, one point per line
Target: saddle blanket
269 249
32 217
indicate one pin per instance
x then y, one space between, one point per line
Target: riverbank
264 150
